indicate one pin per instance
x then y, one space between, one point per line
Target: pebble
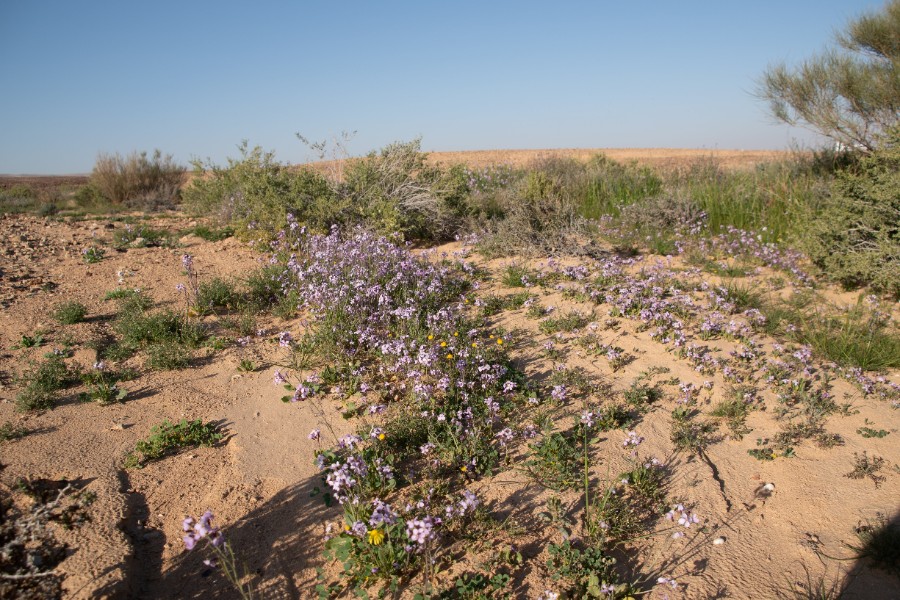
769 487
719 541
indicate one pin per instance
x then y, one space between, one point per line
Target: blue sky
195 78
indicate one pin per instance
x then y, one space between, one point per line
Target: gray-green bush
256 191
856 238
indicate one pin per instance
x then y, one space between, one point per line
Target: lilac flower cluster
199 529
681 516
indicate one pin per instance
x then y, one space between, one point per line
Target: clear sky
194 78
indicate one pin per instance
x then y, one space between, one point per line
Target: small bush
168 357
10 431
42 381
140 237
138 180
568 322
212 235
257 192
92 254
394 191
540 213
70 313
690 436
216 293
555 462
856 238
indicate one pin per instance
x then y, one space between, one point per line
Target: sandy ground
261 482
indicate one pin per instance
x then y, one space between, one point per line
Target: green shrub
856 238
264 286
216 293
555 461
166 335
138 180
212 235
10 431
257 192
69 313
88 196
141 236
42 381
168 357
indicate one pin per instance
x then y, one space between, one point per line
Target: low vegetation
416 351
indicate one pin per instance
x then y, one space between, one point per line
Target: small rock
719 541
769 487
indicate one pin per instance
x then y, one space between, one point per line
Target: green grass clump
141 236
494 304
216 293
211 234
69 313
641 395
42 381
10 431
170 438
734 412
518 276
743 296
265 289
568 322
607 186
168 357
166 336
857 339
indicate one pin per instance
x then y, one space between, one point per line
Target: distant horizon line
487 150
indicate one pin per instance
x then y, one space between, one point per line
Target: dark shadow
144 563
104 318
875 574
267 540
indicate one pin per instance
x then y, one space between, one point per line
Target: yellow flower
474 344
346 528
443 344
449 356
430 337
492 336
380 436
500 342
455 334
376 536
463 468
